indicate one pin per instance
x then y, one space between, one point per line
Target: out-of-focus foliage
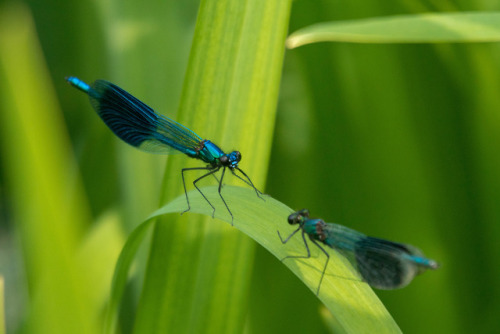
396 141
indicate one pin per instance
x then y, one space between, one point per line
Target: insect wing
384 264
139 125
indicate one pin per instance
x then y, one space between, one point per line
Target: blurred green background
396 141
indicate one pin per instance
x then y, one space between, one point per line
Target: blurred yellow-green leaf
49 207
2 305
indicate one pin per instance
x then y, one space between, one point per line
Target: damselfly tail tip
434 265
71 79
77 83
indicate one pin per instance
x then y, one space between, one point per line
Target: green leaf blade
467 27
352 302
229 97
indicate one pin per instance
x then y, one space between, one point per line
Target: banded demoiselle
140 126
382 264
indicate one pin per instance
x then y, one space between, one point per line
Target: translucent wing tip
389 265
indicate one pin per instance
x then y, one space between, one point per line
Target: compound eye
292 218
304 213
238 155
224 160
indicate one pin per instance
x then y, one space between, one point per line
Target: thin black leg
242 179
305 244
222 198
308 253
184 184
289 237
249 182
326 264
216 178
202 194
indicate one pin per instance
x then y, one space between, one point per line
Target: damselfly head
298 217
231 160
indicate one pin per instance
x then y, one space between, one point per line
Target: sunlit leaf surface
353 304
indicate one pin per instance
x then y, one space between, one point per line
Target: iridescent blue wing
382 264
137 124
